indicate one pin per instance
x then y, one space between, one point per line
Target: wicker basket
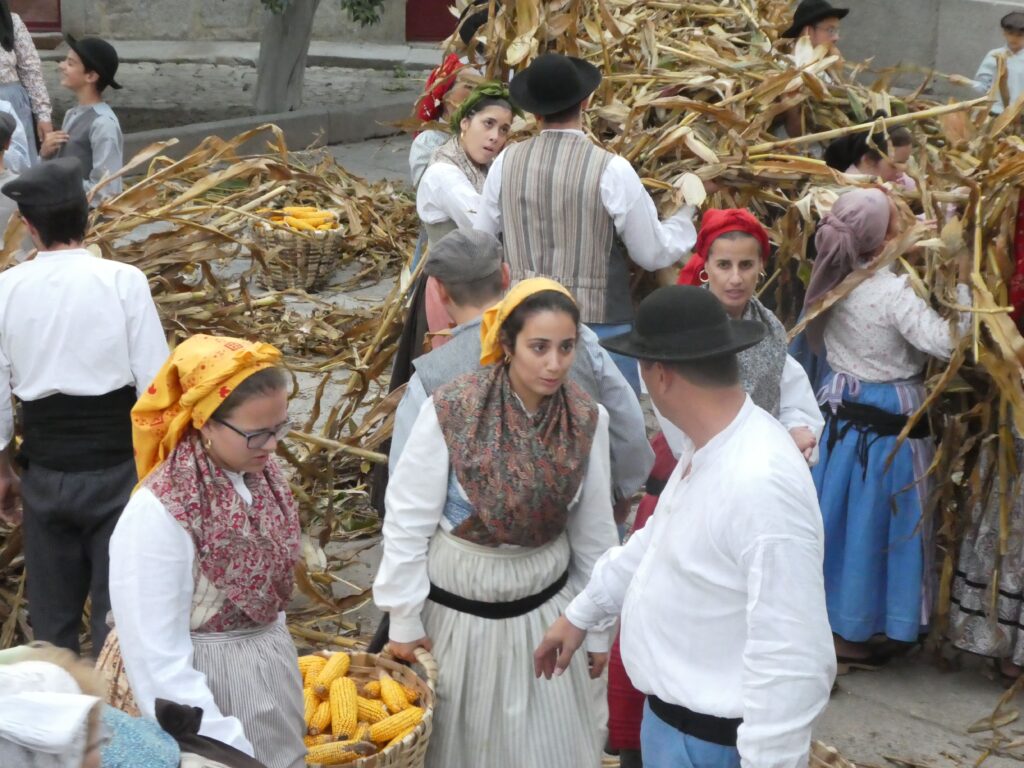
293 260
412 750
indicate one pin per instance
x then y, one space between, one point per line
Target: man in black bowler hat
721 595
90 131
569 210
80 339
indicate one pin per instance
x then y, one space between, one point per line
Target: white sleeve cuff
584 613
406 629
598 641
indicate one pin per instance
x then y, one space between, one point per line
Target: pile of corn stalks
188 225
692 91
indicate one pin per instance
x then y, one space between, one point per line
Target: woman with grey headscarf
872 490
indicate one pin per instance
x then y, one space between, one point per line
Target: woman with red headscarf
728 259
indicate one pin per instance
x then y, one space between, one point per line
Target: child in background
1013 30
90 132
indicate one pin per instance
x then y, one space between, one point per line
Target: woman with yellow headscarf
496 513
201 561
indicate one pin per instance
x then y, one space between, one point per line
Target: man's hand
598 663
407 651
52 143
805 441
555 651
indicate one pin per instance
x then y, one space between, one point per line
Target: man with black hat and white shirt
90 131
566 207
722 597
80 339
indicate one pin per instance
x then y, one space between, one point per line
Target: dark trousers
69 517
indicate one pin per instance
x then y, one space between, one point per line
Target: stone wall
216 20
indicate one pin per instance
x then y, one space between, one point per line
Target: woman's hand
407 651
597 663
556 649
43 129
805 441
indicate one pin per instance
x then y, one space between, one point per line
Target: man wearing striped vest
572 211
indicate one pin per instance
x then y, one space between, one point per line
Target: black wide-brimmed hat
553 83
684 323
98 55
811 12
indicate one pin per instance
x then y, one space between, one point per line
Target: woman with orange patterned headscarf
202 557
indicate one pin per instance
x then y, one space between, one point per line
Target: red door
38 15
428 20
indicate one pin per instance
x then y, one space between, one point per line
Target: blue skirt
875 547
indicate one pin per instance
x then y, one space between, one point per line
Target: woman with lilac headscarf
877 340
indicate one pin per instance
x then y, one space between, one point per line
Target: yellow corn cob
314 216
307 663
371 711
372 691
344 710
309 705
336 666
387 729
291 210
399 737
294 223
323 738
330 226
336 753
362 732
392 695
313 672
321 719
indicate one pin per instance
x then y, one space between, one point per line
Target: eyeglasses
256 440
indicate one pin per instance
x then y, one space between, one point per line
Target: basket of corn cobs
300 246
367 710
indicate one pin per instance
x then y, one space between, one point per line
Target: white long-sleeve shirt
445 194
883 331
651 244
415 501
986 75
151 596
722 594
75 324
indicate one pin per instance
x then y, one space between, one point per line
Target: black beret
51 182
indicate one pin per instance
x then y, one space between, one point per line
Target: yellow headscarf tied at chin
495 317
198 376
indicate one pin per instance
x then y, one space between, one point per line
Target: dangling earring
762 277
703 276
508 358
207 443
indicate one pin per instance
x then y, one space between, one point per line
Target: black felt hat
684 323
54 182
98 55
553 83
810 12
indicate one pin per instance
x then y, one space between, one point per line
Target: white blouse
152 587
416 498
883 331
445 194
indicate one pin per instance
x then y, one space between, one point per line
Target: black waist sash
72 433
507 610
870 423
717 730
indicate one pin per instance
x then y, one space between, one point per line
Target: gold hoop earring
508 358
703 276
762 277
207 443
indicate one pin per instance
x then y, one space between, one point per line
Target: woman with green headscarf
450 190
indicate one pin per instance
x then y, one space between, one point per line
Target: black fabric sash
867 421
70 433
507 610
717 730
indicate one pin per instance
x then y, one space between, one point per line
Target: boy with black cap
722 593
80 339
90 132
566 207
1013 30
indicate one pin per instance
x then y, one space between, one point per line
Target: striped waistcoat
556 226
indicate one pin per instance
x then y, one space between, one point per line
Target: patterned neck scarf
451 152
761 365
520 472
246 551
